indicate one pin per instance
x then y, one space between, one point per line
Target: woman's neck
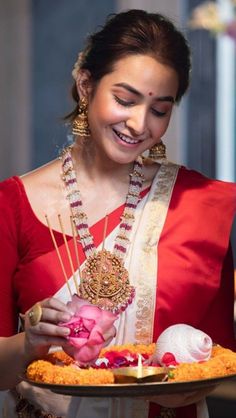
98 167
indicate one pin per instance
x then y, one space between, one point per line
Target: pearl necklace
104 279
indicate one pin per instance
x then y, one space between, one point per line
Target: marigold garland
221 363
132 348
46 372
59 368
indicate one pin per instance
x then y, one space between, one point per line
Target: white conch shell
186 343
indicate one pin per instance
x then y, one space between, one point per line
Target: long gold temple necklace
104 279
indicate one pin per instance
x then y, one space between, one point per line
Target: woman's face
131 107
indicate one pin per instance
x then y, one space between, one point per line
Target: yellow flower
207 16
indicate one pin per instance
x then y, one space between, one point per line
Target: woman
169 226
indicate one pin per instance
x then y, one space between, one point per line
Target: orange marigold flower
132 348
221 363
46 372
58 357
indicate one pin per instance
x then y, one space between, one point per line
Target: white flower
77 66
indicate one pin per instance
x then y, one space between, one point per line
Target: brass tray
133 389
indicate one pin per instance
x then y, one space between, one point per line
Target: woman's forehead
144 73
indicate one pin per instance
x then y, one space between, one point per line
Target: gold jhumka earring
80 125
157 152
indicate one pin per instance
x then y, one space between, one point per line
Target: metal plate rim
131 389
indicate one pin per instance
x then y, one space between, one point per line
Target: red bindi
150 93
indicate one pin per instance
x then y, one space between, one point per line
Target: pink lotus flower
91 328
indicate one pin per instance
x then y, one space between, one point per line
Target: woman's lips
126 139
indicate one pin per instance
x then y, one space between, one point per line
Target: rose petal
168 359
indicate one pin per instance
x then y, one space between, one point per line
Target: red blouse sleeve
9 226
218 321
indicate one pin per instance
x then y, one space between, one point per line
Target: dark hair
135 32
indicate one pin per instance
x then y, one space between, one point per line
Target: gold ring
35 314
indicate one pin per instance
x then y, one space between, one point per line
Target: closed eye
157 113
123 102
128 103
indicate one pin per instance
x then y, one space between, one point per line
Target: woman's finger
54 303
49 329
37 346
49 310
54 316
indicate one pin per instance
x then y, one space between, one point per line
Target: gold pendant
105 282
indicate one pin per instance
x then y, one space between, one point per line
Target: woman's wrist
13 360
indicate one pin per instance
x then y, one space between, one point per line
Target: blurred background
39 43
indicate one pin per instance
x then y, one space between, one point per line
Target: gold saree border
153 219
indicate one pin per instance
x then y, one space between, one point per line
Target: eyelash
123 102
158 114
129 104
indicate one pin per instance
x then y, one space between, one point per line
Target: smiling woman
139 237
124 119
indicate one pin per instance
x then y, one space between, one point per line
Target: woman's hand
43 332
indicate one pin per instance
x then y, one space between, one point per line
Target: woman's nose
137 121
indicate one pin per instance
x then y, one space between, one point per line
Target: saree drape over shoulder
179 261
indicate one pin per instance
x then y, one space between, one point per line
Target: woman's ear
83 83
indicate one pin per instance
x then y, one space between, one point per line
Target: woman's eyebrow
129 88
137 93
